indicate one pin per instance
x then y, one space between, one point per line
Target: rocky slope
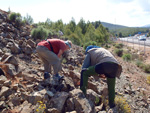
23 89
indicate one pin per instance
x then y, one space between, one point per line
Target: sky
131 13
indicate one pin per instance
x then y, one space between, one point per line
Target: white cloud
119 1
123 12
145 5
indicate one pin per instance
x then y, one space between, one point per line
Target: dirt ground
137 76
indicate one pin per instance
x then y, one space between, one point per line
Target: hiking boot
59 77
46 75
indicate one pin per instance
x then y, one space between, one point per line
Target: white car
142 38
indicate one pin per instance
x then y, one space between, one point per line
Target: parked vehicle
142 38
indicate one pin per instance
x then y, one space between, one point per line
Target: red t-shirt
57 45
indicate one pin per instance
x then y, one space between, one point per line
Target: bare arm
60 53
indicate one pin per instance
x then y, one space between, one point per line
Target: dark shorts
109 69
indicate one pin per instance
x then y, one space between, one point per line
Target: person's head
68 43
91 47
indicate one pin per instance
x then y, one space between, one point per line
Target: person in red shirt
50 51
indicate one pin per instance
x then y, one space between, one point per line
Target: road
135 40
138 45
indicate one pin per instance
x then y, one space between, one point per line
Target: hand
102 76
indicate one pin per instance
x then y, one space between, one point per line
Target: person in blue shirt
100 61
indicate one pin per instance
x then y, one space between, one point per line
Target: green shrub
64 38
122 105
119 52
114 44
75 39
148 79
50 33
139 63
98 100
40 107
13 16
129 49
119 46
68 32
89 43
19 22
135 56
16 17
127 57
107 46
39 33
147 68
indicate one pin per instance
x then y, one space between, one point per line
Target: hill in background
112 26
115 26
147 26
124 31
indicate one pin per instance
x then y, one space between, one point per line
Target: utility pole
115 28
115 25
144 47
133 41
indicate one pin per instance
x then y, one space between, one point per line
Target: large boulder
58 100
12 60
31 43
80 103
15 48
